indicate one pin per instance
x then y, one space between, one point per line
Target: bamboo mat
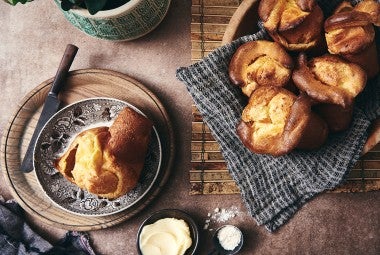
209 173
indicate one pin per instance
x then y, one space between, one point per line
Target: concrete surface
33 38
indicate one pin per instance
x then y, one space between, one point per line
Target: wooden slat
209 165
198 127
358 186
209 173
208 45
205 146
200 136
210 176
208 28
217 19
213 11
221 175
223 3
208 156
206 37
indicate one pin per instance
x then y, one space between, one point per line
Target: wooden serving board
80 84
209 173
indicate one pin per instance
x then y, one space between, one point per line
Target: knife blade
51 104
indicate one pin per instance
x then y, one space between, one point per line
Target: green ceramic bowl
127 22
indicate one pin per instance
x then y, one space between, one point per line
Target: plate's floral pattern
55 138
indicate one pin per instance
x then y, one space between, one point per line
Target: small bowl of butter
168 232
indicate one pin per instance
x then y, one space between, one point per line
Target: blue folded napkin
16 237
274 188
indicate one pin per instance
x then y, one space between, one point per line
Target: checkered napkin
274 188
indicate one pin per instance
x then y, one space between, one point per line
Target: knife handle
64 66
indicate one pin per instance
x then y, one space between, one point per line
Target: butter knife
51 104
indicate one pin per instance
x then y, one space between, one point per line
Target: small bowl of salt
227 240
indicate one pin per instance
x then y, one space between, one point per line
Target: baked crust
275 120
108 161
372 7
295 24
338 118
329 79
260 63
350 34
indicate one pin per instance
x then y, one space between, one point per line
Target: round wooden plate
244 22
81 84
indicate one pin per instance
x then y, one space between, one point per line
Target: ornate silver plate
55 138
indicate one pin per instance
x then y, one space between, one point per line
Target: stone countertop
33 38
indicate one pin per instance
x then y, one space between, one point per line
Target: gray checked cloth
274 188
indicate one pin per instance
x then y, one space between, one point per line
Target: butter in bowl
168 232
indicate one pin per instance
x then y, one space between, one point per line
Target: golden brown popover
260 63
333 83
295 24
108 161
351 34
329 79
372 7
275 121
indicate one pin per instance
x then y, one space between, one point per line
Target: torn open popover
107 161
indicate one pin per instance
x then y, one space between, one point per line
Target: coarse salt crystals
229 237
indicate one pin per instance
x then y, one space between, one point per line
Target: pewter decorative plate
55 138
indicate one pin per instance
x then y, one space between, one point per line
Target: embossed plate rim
97 123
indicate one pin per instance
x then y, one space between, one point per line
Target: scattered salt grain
224 215
221 215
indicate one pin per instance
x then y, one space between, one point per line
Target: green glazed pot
127 22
